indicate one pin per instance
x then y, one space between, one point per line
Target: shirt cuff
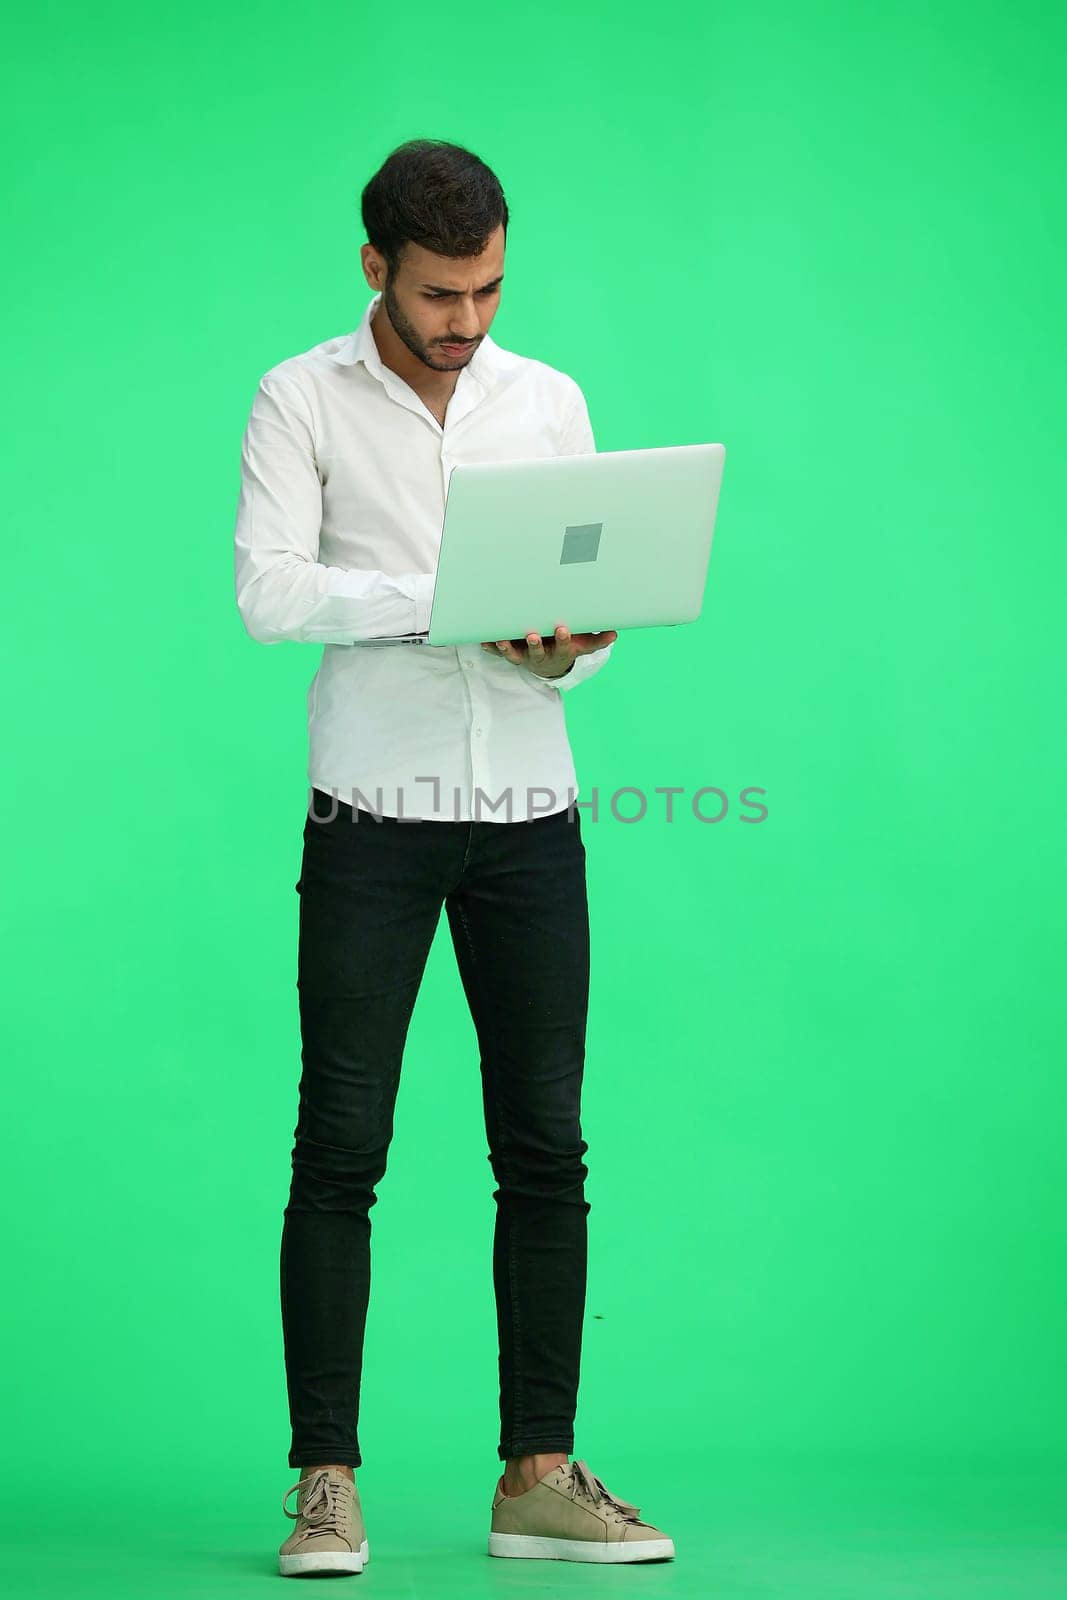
565 679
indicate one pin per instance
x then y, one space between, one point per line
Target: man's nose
465 323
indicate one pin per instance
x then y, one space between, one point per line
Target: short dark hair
434 194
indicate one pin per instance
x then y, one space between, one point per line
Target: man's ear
373 266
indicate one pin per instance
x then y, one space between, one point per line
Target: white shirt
343 478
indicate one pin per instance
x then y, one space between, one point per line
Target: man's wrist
551 675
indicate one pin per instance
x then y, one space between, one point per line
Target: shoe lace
324 1507
586 1483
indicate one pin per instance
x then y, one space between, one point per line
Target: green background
824 1091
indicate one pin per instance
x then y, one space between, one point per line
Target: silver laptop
616 539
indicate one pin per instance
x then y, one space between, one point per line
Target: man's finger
584 642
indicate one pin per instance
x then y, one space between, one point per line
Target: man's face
434 301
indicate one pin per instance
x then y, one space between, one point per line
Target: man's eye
486 292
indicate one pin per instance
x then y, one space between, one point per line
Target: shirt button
478 731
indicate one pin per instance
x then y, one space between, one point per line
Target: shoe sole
532 1547
297 1566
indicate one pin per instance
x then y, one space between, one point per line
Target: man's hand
558 657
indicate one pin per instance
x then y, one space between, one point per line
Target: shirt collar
360 346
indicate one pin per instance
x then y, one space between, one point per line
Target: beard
430 355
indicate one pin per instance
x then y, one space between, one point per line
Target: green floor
815 1532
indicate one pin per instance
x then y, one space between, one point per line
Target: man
414 753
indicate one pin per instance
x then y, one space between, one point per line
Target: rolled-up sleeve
282 589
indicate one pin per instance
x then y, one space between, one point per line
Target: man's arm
282 589
578 440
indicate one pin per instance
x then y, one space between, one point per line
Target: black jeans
371 891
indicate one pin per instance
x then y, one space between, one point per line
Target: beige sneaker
569 1515
329 1535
